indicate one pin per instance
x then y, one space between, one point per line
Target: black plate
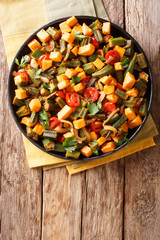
116 31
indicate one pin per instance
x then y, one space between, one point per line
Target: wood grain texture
142 170
20 186
91 206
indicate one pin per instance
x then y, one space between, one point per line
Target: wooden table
120 200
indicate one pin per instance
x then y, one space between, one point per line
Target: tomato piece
72 99
92 93
109 107
61 138
100 52
60 94
25 74
43 57
120 86
94 42
54 122
112 57
96 126
85 80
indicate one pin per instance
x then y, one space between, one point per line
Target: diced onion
67 53
79 138
110 116
33 63
50 46
86 134
102 96
61 130
110 128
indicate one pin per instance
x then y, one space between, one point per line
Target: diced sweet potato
87 31
65 112
62 77
135 122
25 121
63 84
21 93
124 127
86 151
82 75
129 81
109 89
72 21
77 28
19 79
43 36
64 27
108 147
38 129
75 50
70 72
35 105
98 63
101 140
112 97
80 123
130 113
34 44
132 92
68 37
106 79
120 50
78 87
118 66
46 64
93 136
106 28
86 50
56 56
79 69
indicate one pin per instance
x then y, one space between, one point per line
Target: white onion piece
86 134
33 63
110 116
100 86
50 46
110 128
67 122
79 138
61 130
44 79
88 121
69 47
102 96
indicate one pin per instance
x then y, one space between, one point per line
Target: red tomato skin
25 74
109 107
60 94
61 138
72 99
120 86
54 122
94 42
114 57
92 93
85 80
100 52
43 57
96 127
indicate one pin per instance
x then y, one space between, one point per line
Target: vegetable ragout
79 89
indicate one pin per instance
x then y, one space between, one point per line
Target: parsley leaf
25 59
69 144
94 146
94 108
105 49
89 99
16 61
46 86
125 63
122 140
75 79
43 115
38 72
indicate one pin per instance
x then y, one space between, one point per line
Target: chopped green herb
125 63
94 147
25 59
75 79
44 44
122 140
69 144
38 72
43 115
94 108
89 99
105 49
102 58
46 86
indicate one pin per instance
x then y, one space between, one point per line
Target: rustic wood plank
142 170
20 186
86 205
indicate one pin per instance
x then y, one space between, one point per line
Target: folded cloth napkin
18 21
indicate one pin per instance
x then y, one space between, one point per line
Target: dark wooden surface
120 200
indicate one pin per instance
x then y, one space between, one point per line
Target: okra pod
141 60
53 85
83 103
63 46
53 32
122 95
61 103
48 144
85 41
32 76
23 111
34 117
114 118
93 57
59 147
74 115
51 71
108 69
33 91
74 154
130 50
131 102
31 134
100 116
73 63
61 70
143 108
120 41
83 59
92 82
37 53
49 105
96 25
81 133
131 65
18 102
104 132
83 112
119 76
144 76
50 134
89 68
44 91
99 36
141 84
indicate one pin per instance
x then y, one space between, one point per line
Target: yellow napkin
19 20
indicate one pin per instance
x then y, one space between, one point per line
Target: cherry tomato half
43 57
120 86
85 80
61 138
25 74
54 122
112 57
109 107
96 126
92 93
94 42
72 99
60 94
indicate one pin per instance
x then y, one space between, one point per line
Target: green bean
121 94
143 108
131 65
99 36
108 69
89 68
